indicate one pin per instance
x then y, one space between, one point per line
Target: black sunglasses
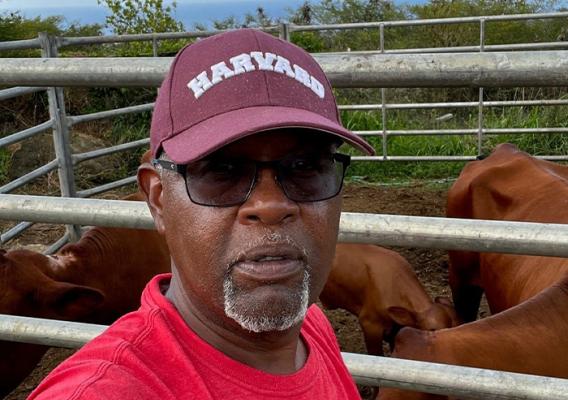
224 182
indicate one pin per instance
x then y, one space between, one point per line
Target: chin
267 308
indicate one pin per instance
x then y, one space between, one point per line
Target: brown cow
508 185
527 294
529 338
97 280
380 287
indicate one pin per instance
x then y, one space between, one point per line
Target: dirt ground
430 265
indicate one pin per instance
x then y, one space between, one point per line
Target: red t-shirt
152 354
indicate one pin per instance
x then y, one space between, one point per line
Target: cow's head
441 314
29 287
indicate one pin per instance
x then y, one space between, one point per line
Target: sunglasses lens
225 182
220 182
311 178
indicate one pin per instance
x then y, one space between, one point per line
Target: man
244 187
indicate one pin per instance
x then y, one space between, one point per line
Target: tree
141 16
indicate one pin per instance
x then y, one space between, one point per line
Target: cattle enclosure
369 70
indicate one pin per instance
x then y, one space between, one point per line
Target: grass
131 127
450 145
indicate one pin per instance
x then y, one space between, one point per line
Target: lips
270 263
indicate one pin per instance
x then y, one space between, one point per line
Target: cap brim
210 135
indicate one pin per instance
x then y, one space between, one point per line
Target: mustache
270 238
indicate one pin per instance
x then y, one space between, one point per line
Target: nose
267 204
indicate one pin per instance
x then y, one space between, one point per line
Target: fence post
383 96
61 137
480 117
284 31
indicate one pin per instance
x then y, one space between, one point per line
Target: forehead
279 143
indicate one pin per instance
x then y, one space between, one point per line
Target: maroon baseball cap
238 83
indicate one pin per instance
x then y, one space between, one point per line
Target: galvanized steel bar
417 132
464 104
15 231
488 47
48 332
106 187
525 130
6 94
77 119
433 21
368 370
61 134
480 94
26 133
384 141
465 131
87 40
58 244
395 230
544 68
61 210
30 176
451 380
415 158
20 44
78 158
442 158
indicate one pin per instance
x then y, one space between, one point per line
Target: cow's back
508 185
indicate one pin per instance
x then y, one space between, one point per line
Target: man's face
259 264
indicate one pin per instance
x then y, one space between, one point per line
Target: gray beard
256 318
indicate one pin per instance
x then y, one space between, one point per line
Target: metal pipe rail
15 231
77 119
451 380
395 230
21 44
26 133
462 104
440 158
443 379
87 40
78 158
488 47
30 176
346 70
6 94
424 22
106 187
465 131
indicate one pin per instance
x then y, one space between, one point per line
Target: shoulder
97 380
108 364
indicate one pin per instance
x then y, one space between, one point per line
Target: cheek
321 220
197 238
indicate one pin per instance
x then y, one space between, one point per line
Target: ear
402 316
150 185
146 157
443 300
73 302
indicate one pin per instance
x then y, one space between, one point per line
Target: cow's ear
73 302
402 316
443 300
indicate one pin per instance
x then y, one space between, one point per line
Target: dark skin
204 240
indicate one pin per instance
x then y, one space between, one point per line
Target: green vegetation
147 16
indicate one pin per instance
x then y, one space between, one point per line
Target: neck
276 352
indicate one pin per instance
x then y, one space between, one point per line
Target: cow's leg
465 284
373 332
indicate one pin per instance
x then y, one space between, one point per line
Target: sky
188 11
